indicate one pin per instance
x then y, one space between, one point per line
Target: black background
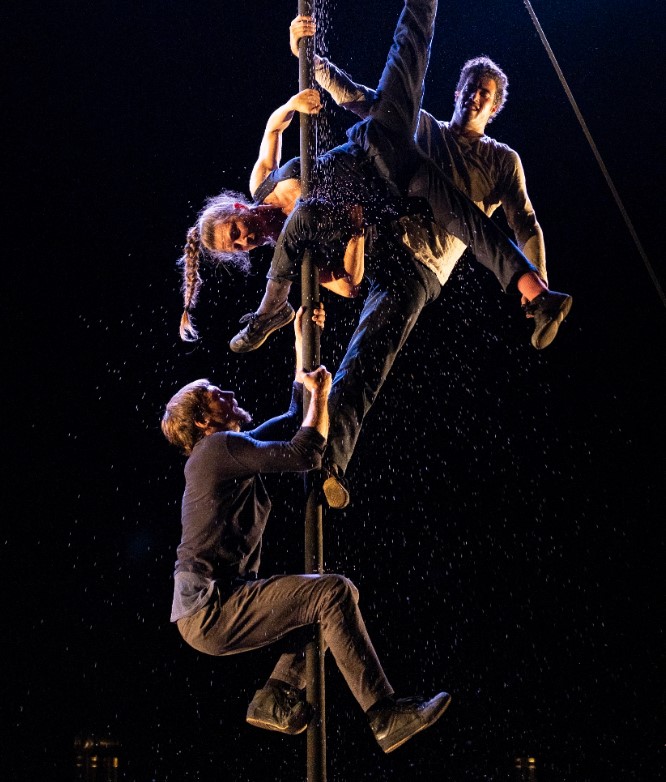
506 531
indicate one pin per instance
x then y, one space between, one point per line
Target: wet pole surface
314 550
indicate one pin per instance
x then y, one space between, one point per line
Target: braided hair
200 246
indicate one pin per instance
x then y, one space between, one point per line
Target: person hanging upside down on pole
229 226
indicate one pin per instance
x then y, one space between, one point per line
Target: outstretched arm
345 92
354 97
318 383
521 217
319 317
270 151
282 427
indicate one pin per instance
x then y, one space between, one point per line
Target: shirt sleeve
520 215
345 92
300 454
282 427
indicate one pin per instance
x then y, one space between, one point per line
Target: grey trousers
262 612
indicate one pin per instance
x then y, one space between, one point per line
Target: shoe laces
532 306
287 696
406 704
249 317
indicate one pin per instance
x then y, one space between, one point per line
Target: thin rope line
597 155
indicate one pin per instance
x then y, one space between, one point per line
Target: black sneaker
280 707
401 718
549 310
335 488
259 328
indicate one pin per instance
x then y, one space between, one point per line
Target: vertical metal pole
314 549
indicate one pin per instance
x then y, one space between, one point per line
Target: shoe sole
258 722
407 735
256 345
550 332
336 495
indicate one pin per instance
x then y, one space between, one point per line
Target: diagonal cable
596 153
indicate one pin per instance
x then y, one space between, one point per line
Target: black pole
314 549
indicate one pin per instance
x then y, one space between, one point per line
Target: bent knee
340 587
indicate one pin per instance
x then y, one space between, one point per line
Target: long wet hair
200 246
484 67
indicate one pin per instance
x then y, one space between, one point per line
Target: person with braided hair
229 226
230 222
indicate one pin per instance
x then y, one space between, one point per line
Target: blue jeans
398 293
